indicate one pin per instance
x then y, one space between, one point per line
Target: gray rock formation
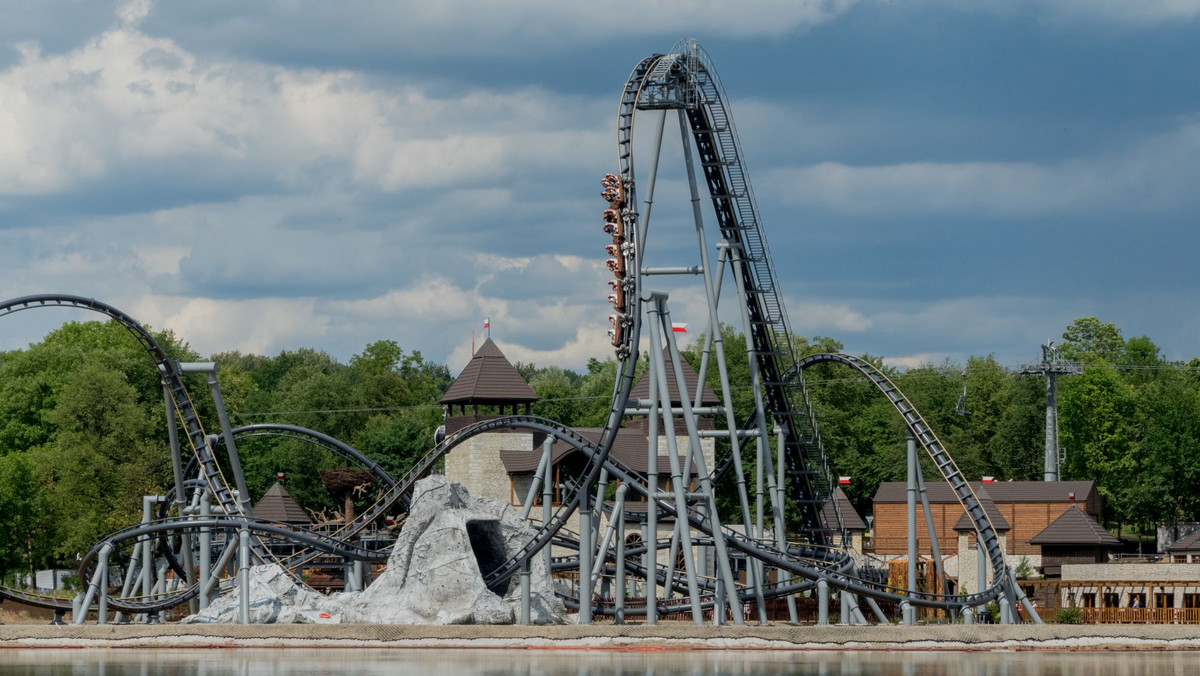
435 573
434 576
274 598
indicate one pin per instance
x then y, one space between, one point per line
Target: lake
492 662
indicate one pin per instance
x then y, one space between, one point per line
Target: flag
989 479
487 322
844 480
678 328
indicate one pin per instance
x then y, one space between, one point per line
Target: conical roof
278 505
641 389
489 378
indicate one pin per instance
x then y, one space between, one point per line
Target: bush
1024 571
1069 616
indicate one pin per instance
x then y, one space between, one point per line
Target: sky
936 179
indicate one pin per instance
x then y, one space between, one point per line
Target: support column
525 591
780 449
677 481
244 575
205 550
909 613
585 556
235 463
652 509
548 499
620 582
822 602
102 575
147 549
1050 472
711 516
93 586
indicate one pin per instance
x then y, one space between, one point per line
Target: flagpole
472 342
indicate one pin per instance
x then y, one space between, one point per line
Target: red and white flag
678 328
487 322
844 480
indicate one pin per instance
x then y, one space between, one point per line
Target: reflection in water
484 662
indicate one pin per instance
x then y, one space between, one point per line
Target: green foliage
1023 570
1069 616
83 428
22 515
1088 339
83 436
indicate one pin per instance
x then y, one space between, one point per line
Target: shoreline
680 636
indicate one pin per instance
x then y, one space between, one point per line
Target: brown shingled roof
278 505
1074 527
630 448
850 517
641 389
989 507
489 378
1187 543
1002 492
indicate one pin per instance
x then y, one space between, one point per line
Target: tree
558 395
1088 339
399 440
101 461
1095 423
23 545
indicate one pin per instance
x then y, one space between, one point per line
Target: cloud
125 103
1117 12
469 29
133 12
260 326
1152 175
810 318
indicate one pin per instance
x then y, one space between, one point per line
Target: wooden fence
1140 615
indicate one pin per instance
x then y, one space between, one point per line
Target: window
1191 600
1087 601
1137 600
1164 600
1111 599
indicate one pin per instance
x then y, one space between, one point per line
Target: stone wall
476 464
1131 572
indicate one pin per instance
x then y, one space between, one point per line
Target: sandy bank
665 636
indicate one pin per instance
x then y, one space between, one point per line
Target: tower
488 387
1051 366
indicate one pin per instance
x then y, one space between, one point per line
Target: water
484 662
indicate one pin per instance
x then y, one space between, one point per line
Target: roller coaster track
168 370
379 475
812 563
171 376
684 80
925 436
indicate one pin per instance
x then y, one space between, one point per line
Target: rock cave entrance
487 543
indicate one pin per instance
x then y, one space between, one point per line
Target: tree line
83 424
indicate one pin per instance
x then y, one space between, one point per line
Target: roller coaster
181 554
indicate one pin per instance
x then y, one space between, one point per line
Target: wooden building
1027 507
1074 537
